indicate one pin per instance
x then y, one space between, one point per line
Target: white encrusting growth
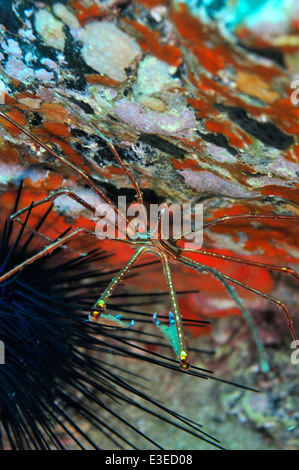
107 49
50 29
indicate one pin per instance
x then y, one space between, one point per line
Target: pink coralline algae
153 122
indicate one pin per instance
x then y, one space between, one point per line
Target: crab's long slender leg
182 348
45 251
62 192
232 293
157 231
66 192
35 232
97 314
257 264
276 302
133 181
247 216
116 155
15 243
63 160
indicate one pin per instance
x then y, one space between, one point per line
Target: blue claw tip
171 318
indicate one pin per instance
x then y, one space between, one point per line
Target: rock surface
201 104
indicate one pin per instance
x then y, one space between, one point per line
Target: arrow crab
145 239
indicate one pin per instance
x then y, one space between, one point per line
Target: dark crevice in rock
218 139
9 18
162 145
266 132
267 52
149 195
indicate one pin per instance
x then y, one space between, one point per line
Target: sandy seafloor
240 420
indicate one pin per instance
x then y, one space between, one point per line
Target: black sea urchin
56 375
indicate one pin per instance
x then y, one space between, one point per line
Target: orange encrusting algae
150 42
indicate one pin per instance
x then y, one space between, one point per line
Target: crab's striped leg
97 314
246 216
116 155
45 251
84 176
178 343
248 262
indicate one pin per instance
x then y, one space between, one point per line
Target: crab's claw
171 334
108 320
